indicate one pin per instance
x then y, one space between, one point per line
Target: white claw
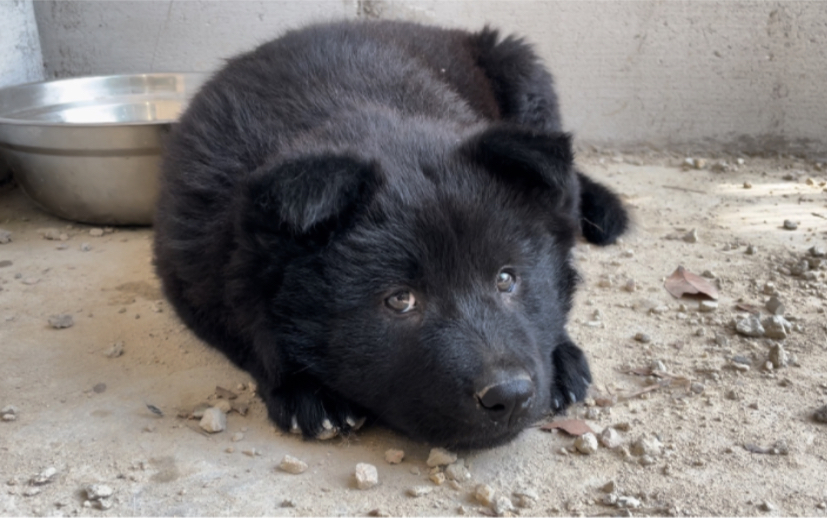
572 397
350 421
294 426
328 432
359 423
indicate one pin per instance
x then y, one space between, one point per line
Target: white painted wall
688 75
20 58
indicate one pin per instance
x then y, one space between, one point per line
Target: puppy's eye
506 280
402 301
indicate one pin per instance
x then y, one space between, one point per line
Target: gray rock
820 415
775 306
213 420
815 250
457 471
776 327
503 506
790 225
749 326
61 321
751 250
366 475
691 236
44 477
799 268
778 356
643 338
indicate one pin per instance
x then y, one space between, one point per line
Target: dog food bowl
89 149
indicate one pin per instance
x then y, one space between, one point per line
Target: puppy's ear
528 159
306 194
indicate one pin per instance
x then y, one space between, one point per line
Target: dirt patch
691 416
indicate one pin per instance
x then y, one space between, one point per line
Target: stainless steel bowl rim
31 122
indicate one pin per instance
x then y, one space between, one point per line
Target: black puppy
375 220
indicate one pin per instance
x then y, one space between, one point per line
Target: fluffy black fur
324 179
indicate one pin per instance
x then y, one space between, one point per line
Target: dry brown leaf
573 427
683 282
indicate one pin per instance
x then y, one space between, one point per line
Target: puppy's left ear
530 160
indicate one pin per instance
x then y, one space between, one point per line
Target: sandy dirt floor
715 432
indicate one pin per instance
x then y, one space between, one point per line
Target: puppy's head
432 298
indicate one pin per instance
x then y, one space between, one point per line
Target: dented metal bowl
89 149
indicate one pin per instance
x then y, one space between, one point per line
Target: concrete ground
715 433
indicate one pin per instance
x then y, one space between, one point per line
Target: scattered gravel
61 321
366 475
440 457
394 456
586 443
213 420
292 465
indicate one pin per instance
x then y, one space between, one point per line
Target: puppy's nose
507 400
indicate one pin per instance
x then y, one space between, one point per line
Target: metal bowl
89 149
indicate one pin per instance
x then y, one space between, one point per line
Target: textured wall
20 58
680 74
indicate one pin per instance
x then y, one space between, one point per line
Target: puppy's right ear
307 194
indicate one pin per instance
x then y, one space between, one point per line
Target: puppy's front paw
571 376
305 407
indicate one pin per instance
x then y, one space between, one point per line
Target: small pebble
775 306
766 506
292 465
5 236
709 274
643 338
457 471
366 475
747 185
438 478
609 487
223 405
213 420
96 232
61 321
628 502
52 234
31 491
503 506
790 225
751 250
818 251
394 456
610 439
526 498
484 494
586 443
115 350
238 436
44 477
85 247
646 446
418 491
98 491
707 306
630 285
775 327
691 236
440 457
750 326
